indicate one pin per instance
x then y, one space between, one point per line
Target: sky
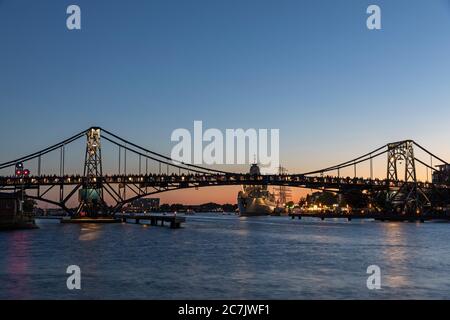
310 68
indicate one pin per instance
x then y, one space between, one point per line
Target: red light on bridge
18 172
26 172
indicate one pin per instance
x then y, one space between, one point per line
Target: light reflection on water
90 232
396 253
224 257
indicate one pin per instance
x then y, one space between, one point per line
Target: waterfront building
143 205
11 214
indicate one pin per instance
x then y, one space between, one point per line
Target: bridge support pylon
91 201
408 198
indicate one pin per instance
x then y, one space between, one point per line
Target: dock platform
374 216
172 220
90 220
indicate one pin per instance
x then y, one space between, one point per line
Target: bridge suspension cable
374 154
368 156
162 159
43 151
125 147
424 164
430 153
161 155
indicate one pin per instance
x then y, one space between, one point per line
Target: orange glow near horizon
219 195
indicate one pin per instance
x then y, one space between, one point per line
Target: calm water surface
227 257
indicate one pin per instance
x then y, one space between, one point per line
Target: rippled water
227 257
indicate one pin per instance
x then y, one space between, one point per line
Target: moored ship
282 195
255 200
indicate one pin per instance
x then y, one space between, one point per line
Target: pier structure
174 221
386 216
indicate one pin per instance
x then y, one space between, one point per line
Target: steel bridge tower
407 199
91 199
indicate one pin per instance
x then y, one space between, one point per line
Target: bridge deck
184 181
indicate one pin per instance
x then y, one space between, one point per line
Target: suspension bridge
101 194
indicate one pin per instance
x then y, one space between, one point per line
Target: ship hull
255 200
253 207
253 214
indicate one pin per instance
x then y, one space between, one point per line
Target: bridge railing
155 179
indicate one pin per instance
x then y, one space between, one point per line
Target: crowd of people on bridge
198 177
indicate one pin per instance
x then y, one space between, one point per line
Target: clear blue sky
310 68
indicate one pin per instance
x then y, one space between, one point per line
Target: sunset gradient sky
310 68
